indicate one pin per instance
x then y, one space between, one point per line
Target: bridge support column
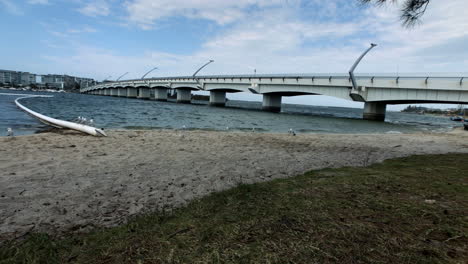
184 96
132 92
122 92
114 92
374 111
107 92
217 98
160 94
143 93
271 103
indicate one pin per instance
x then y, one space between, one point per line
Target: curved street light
121 76
199 69
351 71
148 72
204 65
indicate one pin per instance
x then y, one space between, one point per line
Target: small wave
393 132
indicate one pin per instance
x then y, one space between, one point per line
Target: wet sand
62 182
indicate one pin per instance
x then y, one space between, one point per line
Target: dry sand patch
57 182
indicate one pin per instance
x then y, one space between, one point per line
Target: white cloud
146 12
85 29
96 8
277 41
38 2
11 8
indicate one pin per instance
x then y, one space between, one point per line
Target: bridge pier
271 103
143 93
114 92
132 92
184 96
122 92
374 111
160 94
217 98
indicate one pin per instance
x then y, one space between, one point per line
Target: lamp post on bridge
121 76
149 72
204 65
199 69
351 71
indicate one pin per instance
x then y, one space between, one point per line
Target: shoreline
73 182
49 129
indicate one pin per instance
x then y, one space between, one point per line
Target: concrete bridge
375 92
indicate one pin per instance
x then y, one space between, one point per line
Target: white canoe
59 123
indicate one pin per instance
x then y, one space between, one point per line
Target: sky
102 38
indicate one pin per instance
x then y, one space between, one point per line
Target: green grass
377 214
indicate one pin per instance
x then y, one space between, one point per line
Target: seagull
227 128
184 127
10 132
292 132
253 129
91 122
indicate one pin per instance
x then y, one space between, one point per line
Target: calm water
112 112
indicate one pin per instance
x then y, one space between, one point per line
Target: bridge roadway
375 92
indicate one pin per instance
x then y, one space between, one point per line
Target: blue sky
110 37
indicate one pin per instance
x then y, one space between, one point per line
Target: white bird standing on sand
10 132
292 132
184 127
253 129
91 122
227 128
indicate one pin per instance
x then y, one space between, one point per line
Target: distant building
51 81
10 77
54 81
65 82
17 78
85 82
27 78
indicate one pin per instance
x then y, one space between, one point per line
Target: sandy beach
60 182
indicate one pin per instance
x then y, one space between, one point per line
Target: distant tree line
426 110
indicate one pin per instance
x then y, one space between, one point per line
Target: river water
123 113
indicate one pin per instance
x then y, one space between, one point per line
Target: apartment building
52 81
17 78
